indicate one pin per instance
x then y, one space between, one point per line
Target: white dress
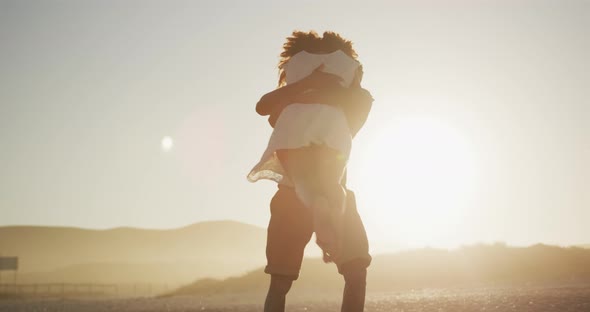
301 125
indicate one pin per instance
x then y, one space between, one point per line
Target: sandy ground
554 299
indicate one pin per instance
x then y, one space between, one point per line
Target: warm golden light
418 177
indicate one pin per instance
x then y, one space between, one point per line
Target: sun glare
418 176
167 143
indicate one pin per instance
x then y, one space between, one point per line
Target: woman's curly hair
311 42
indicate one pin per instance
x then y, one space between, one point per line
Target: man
291 224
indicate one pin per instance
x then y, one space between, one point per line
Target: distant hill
428 268
213 249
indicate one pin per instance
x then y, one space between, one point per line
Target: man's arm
277 99
324 88
356 106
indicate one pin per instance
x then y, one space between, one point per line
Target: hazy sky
480 129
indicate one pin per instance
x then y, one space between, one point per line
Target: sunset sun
419 174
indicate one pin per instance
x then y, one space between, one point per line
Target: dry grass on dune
428 268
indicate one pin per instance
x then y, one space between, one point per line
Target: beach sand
521 299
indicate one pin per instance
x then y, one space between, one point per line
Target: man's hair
311 42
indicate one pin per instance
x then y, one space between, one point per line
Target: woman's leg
316 173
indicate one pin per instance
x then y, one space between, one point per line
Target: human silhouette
317 109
